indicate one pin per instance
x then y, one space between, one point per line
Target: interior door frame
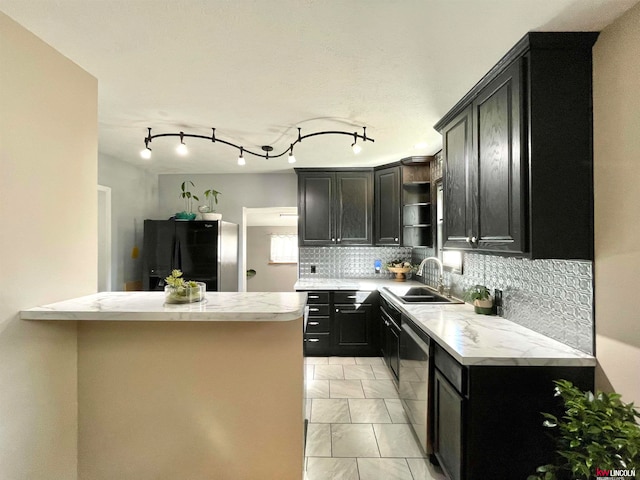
104 240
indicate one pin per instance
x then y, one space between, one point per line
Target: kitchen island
205 390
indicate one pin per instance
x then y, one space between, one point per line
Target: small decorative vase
184 294
400 273
204 208
210 216
483 307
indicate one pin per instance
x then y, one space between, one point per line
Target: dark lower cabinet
486 420
447 426
354 330
317 335
341 323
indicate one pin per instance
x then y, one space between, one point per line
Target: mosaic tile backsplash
347 262
551 297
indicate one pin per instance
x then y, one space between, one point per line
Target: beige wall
48 157
269 278
616 102
190 400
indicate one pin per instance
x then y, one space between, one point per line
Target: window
284 249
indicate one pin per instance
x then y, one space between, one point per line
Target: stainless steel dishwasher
415 353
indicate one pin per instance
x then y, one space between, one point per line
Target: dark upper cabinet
499 222
518 153
458 180
388 224
335 207
316 208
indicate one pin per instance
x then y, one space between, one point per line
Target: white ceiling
257 69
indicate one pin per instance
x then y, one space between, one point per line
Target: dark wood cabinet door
499 223
316 208
354 207
387 206
459 181
447 428
354 330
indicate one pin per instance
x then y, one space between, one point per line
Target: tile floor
358 429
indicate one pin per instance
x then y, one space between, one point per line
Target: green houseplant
481 299
598 436
208 211
187 197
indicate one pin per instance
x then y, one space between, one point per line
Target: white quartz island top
150 306
470 338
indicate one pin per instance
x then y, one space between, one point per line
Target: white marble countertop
470 338
150 306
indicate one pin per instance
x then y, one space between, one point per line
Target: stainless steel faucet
420 271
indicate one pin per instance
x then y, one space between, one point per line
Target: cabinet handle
338 239
337 310
313 323
314 296
333 239
474 239
468 239
395 239
352 296
313 340
314 309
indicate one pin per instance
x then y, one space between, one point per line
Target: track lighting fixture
292 159
241 160
183 150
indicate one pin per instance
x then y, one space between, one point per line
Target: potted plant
188 197
598 436
208 211
481 299
179 290
400 268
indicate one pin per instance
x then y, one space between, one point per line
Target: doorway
259 227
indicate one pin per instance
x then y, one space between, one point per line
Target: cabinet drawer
317 297
450 369
318 324
317 310
317 344
352 297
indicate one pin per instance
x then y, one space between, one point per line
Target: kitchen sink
419 295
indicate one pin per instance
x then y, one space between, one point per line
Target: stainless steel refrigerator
205 251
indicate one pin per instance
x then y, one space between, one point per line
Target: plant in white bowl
208 211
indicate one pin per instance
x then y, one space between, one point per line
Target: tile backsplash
347 262
551 297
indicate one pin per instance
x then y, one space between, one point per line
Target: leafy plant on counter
187 196
179 284
477 292
597 432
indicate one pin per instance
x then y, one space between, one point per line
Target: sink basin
419 295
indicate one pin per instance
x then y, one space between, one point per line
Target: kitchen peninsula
202 390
